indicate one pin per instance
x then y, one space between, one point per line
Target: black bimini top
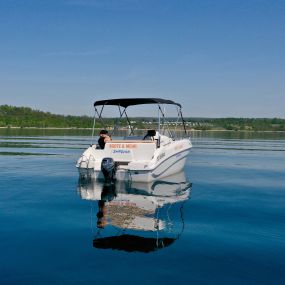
126 102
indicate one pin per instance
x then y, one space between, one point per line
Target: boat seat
150 135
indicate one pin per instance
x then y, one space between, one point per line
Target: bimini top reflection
134 216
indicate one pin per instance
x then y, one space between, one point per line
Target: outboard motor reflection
108 168
107 195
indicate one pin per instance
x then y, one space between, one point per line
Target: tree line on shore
23 117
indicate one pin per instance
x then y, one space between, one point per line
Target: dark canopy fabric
125 102
132 243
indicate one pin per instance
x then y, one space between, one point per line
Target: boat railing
86 160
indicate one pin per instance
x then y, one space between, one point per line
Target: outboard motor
108 168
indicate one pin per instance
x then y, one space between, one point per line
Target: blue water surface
230 229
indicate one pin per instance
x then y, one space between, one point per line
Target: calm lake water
222 221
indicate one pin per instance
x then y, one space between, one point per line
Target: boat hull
169 166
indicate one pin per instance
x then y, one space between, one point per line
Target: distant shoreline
90 129
28 119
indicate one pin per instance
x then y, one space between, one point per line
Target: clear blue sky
218 58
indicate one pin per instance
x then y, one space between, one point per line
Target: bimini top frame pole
121 115
126 102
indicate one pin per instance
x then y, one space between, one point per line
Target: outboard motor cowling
108 167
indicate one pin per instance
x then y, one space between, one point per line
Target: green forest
25 117
11 116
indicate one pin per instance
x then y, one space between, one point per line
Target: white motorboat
156 155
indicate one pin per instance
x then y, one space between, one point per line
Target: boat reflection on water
136 216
